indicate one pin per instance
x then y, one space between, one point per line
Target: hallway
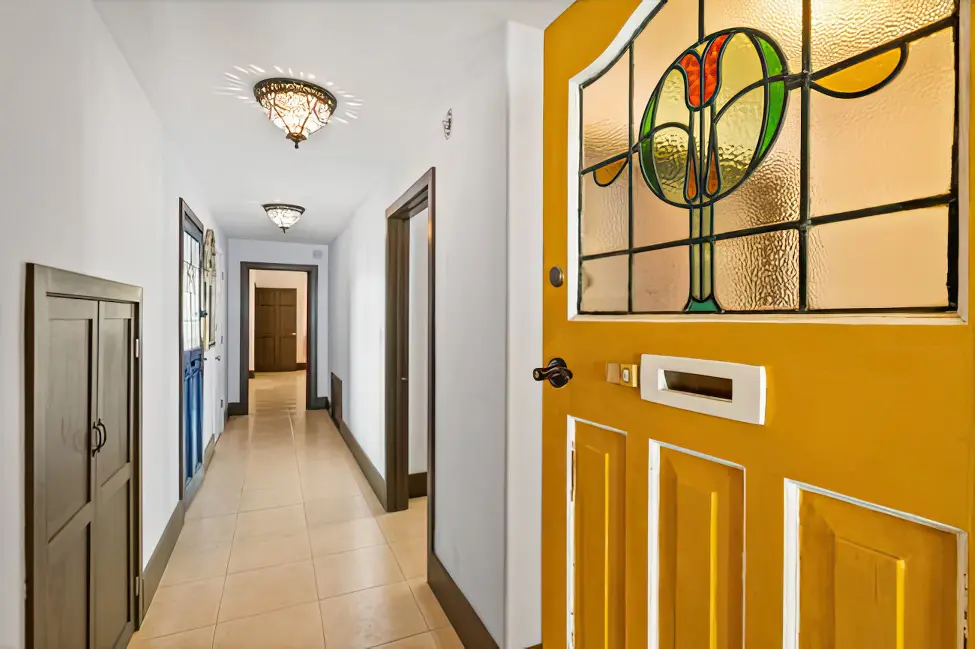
286 546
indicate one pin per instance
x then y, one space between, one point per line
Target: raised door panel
599 504
287 328
872 579
700 539
67 594
114 613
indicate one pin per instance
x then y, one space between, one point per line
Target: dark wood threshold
236 409
208 452
250 374
472 632
160 557
418 485
300 366
368 468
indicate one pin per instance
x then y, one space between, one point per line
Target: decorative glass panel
763 169
606 209
605 284
877 261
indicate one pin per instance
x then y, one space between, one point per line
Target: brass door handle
556 373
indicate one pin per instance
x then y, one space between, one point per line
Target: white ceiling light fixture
299 108
283 215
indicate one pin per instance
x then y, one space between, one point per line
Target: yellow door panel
598 502
700 545
870 579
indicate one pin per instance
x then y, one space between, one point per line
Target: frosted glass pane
655 221
605 283
892 260
605 214
780 19
605 114
842 29
771 193
892 145
661 279
671 31
758 272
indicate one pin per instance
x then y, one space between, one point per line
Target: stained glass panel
605 114
759 160
881 261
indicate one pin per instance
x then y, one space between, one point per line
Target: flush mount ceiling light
299 108
283 215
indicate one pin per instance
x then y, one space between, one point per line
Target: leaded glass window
778 156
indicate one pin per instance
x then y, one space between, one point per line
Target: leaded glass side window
778 156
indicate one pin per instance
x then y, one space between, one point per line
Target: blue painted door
192 351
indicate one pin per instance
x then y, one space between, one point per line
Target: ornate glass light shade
296 107
283 215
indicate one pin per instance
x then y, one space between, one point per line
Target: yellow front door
762 206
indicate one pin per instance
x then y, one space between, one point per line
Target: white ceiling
392 55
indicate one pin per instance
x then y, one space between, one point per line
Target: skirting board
208 453
250 374
418 485
236 409
368 469
472 632
320 403
153 573
300 366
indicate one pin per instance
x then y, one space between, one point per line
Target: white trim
748 387
790 575
793 489
610 54
653 536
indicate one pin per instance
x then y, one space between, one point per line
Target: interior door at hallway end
275 329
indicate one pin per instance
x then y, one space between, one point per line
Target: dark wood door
60 476
275 329
114 524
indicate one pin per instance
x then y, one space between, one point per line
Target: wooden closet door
114 524
60 479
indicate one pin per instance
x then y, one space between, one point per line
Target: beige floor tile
329 484
447 638
196 639
213 530
195 563
282 521
422 641
183 607
347 572
265 551
412 557
214 503
253 499
428 603
400 526
298 627
418 504
371 617
267 589
342 537
335 510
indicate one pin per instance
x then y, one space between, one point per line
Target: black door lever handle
556 373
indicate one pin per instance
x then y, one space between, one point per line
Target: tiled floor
286 546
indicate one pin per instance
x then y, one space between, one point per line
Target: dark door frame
312 400
419 197
43 281
188 491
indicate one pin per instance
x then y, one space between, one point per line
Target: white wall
282 279
241 250
89 186
474 318
418 341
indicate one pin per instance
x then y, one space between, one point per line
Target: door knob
556 373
